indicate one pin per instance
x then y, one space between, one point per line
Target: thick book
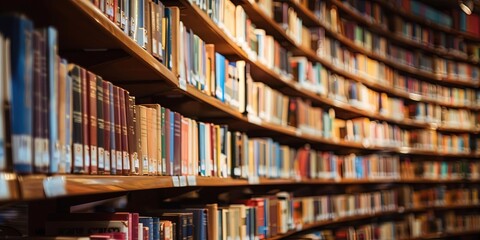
158 136
64 119
118 131
100 126
113 140
77 118
124 128
52 76
142 138
85 121
40 142
92 112
132 134
184 143
106 128
151 141
19 30
177 149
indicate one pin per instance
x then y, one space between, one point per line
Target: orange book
185 145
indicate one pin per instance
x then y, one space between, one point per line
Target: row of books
287 18
332 50
450 222
431 113
444 95
437 170
147 22
438 196
412 226
258 217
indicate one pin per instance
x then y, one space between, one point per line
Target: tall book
118 130
152 141
4 94
124 137
106 128
19 30
77 118
158 136
113 140
64 117
142 138
86 121
100 126
177 138
92 110
52 75
132 134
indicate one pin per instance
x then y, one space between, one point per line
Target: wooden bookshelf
105 50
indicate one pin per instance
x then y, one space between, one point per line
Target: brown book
158 139
153 28
132 135
176 60
141 133
118 131
151 140
85 122
148 24
107 127
92 85
210 82
124 129
100 126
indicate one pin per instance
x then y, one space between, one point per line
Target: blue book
147 222
20 30
220 76
359 167
156 228
172 142
202 154
52 76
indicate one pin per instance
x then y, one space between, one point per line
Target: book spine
142 130
77 118
100 126
52 74
171 142
177 152
92 86
163 141
45 153
86 121
64 119
123 95
113 140
118 131
106 127
132 135
20 31
38 140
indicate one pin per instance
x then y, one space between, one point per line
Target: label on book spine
93 157
183 181
192 180
86 154
78 155
21 146
101 158
107 161
119 161
4 188
54 186
175 181
126 161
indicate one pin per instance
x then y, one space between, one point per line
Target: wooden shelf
39 186
445 235
391 7
376 28
100 46
332 222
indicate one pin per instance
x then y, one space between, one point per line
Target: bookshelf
105 50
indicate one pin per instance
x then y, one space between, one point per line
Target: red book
107 126
85 122
184 149
124 127
92 86
118 130
177 144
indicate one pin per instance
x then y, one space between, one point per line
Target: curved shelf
38 186
390 6
353 13
263 21
445 235
101 46
331 222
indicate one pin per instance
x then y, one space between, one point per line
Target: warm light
466 6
